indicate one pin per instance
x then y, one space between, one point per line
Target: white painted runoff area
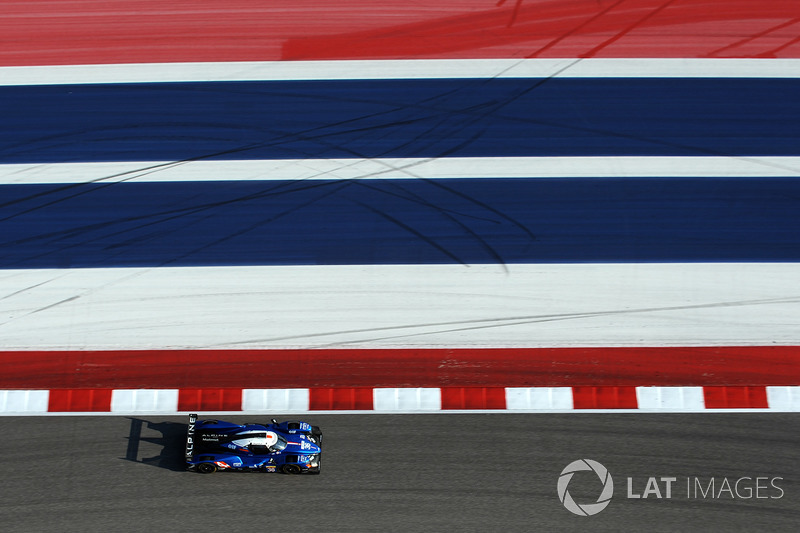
549 305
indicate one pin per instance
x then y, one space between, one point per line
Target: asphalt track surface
460 472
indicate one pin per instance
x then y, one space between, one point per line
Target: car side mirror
274 421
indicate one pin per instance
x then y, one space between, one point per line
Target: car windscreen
280 445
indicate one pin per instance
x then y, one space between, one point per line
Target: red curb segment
83 400
341 399
604 398
473 398
495 367
210 399
735 397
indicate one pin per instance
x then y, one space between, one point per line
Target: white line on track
398 168
400 69
381 306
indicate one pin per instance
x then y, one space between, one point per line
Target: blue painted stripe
400 221
399 118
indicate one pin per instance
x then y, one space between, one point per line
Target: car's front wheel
291 469
206 468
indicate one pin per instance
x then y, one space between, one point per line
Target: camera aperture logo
586 509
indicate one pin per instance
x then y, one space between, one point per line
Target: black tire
291 469
206 468
317 433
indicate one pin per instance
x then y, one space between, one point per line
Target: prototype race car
288 447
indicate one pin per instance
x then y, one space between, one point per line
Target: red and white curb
403 400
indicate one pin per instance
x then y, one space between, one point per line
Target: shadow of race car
287 447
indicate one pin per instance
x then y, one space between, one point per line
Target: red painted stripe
210 400
735 397
544 367
40 32
604 398
83 400
347 399
473 398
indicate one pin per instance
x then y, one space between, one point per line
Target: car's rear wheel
317 433
206 468
291 469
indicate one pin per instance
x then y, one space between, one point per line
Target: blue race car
288 447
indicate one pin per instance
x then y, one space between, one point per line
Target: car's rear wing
190 437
